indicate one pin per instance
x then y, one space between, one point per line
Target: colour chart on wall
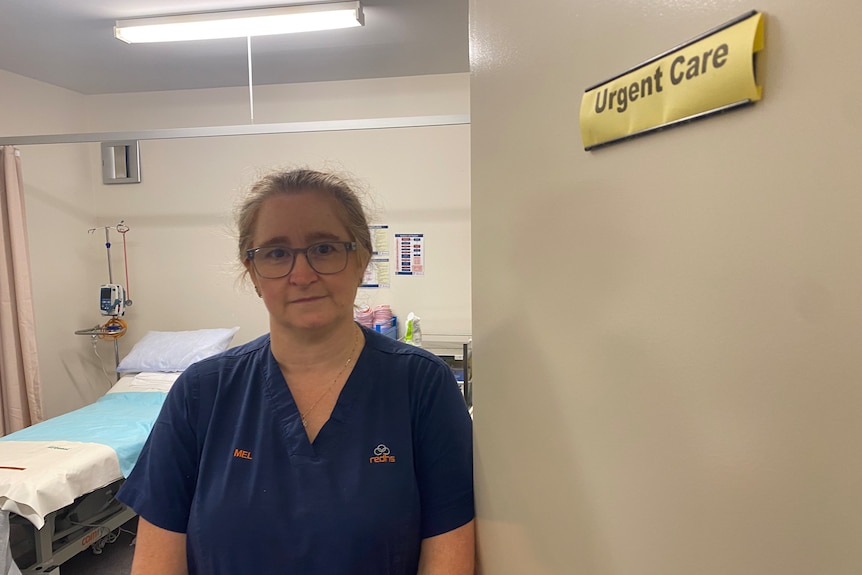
410 250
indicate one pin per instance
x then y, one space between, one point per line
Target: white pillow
175 350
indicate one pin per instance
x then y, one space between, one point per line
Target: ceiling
70 43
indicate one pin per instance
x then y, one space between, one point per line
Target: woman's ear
252 277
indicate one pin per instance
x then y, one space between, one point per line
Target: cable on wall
250 89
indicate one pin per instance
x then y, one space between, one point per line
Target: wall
440 94
180 246
33 107
666 330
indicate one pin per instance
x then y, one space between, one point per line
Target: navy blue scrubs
229 464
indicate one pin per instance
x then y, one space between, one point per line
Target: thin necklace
331 385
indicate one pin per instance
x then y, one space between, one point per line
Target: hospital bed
58 478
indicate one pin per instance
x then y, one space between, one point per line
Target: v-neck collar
281 400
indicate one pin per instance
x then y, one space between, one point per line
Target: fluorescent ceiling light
241 23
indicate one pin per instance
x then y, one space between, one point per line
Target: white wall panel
666 330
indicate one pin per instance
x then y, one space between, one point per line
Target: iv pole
109 329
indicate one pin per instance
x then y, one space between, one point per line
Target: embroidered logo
381 455
242 454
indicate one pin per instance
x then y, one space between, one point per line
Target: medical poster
379 239
410 250
376 274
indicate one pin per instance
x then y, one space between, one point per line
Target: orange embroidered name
382 459
242 454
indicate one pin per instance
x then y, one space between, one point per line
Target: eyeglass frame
349 247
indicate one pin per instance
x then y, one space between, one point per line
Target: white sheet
7 565
145 381
48 475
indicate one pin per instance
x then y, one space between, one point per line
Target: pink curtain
20 390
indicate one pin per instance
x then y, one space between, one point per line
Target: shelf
446 345
97 331
457 349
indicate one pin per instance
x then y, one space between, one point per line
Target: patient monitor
112 300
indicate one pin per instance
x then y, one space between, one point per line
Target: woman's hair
297 181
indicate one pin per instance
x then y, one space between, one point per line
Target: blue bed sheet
121 421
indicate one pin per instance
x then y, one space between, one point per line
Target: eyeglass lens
278 261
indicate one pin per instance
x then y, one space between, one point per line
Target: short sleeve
161 486
444 453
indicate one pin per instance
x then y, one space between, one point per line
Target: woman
320 448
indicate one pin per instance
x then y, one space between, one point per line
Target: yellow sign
709 74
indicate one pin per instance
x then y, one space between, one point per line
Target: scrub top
229 463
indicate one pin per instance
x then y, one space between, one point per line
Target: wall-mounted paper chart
376 274
410 251
379 239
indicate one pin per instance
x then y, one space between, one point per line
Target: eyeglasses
273 262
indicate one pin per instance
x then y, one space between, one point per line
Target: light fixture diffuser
241 23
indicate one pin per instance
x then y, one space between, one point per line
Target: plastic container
389 328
